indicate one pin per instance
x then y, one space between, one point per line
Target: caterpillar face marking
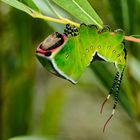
67 55
48 49
51 44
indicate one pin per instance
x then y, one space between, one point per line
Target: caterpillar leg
116 98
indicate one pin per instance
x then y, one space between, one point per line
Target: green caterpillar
67 55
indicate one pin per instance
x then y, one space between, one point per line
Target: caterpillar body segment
68 54
74 50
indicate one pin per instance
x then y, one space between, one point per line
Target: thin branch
133 39
129 38
66 21
61 21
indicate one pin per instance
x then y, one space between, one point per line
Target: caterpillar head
51 44
47 50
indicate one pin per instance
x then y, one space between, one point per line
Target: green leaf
20 6
134 68
136 36
33 138
82 10
31 4
36 14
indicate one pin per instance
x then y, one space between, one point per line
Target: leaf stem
66 21
61 21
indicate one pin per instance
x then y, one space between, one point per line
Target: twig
130 38
133 39
61 20
66 21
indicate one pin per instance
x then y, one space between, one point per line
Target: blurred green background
36 103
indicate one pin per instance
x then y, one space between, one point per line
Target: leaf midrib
86 13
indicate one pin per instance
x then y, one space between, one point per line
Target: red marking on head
44 52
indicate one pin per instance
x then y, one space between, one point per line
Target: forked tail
116 82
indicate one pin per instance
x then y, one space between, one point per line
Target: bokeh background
34 102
